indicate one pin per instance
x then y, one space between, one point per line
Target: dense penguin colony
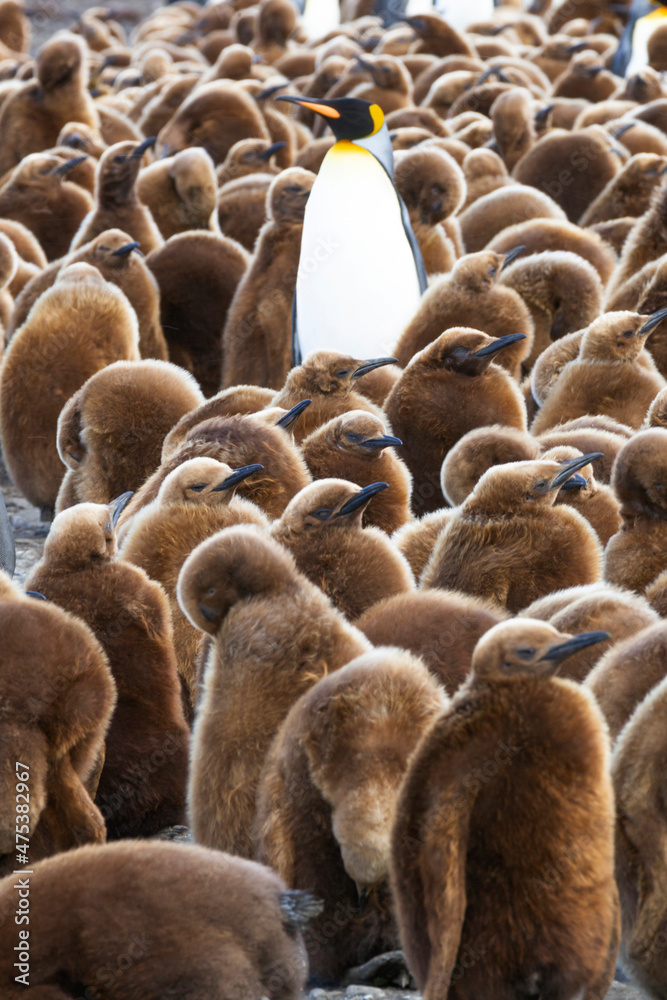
333 348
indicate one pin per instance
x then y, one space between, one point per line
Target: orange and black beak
320 107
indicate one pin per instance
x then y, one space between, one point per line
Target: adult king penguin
632 54
361 273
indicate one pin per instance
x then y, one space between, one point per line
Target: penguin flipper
297 357
7 547
414 246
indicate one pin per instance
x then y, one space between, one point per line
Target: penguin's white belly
357 286
459 14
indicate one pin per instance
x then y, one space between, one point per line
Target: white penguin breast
357 286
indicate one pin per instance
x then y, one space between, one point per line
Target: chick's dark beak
118 506
371 365
361 498
561 651
571 467
237 477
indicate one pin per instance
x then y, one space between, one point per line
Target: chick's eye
493 271
119 159
293 189
198 487
540 487
342 373
323 514
525 653
628 334
211 591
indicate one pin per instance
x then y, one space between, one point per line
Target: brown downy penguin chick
514 735
629 193
594 501
493 212
618 612
615 232
637 770
257 338
8 266
14 26
656 594
646 242
509 543
194 501
327 826
49 358
587 440
651 300
416 539
586 77
625 675
513 117
238 440
448 388
180 192
391 84
539 235
197 274
248 156
242 208
237 400
612 374
484 172
471 297
243 930
440 627
479 450
432 186
355 567
215 116
549 366
436 37
562 291
158 110
31 257
656 415
58 697
117 259
560 165
273 635
110 431
636 554
357 448
79 136
129 615
32 116
274 23
117 205
39 195
329 379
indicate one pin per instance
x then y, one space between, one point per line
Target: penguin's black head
348 117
